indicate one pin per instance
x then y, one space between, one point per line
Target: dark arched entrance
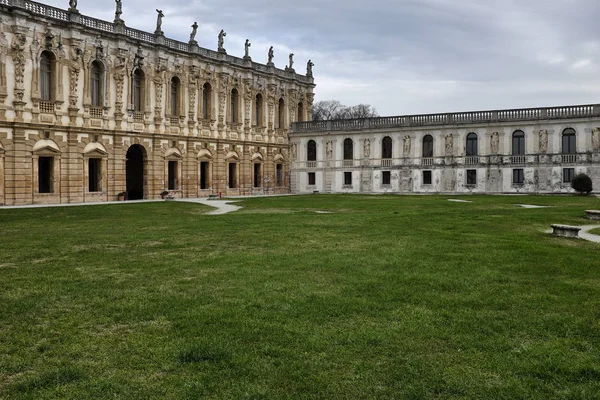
135 172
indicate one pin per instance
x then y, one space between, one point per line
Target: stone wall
490 167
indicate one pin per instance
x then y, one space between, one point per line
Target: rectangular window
205 103
232 175
46 78
95 175
386 177
518 176
471 177
204 175
279 174
347 178
568 174
45 174
137 93
257 175
426 177
311 179
172 175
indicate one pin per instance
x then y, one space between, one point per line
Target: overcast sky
403 56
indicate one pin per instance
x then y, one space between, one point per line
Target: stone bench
565 230
213 196
593 214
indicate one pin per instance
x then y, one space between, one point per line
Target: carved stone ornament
449 144
17 53
294 151
543 136
596 139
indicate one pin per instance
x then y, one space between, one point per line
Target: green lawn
385 297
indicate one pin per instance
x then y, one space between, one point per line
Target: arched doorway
135 172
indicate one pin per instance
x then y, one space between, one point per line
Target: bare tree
332 109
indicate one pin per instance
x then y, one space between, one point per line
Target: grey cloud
411 56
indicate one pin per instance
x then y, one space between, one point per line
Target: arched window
138 90
258 103
46 76
234 106
206 94
348 149
386 147
300 112
568 141
518 143
428 146
97 84
311 151
472 144
281 115
175 90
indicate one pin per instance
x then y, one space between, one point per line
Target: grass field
384 297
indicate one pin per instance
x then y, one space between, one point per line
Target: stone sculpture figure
221 41
495 142
247 46
406 145
543 135
596 139
294 150
271 55
194 31
291 61
367 148
159 18
118 11
449 144
309 66
329 149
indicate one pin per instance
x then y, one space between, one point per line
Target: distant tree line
332 109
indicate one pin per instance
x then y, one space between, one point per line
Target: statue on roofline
270 56
247 49
221 41
159 18
194 31
118 11
309 66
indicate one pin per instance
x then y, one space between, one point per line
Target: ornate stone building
90 109
505 151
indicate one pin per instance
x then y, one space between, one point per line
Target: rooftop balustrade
471 117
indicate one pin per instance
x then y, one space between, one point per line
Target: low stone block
565 230
593 214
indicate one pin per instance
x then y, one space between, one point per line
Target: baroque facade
504 151
90 110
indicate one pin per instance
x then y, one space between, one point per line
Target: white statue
406 146
495 143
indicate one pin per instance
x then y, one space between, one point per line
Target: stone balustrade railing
432 162
473 117
110 27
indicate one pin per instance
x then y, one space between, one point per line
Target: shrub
582 183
